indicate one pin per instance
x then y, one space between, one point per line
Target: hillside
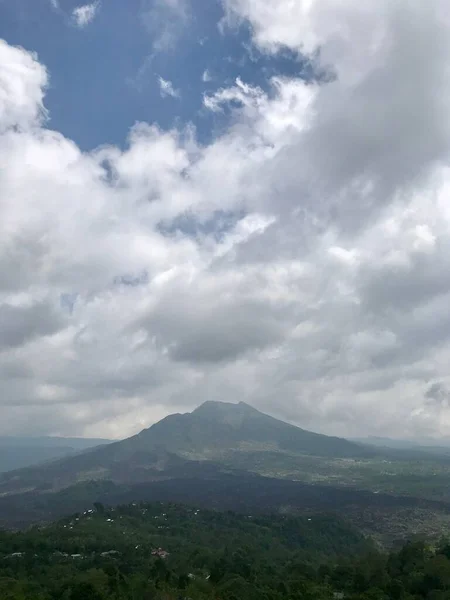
221 433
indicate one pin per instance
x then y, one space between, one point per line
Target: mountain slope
213 432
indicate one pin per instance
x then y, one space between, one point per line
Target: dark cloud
438 393
20 324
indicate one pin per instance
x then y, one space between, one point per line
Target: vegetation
158 551
386 517
169 552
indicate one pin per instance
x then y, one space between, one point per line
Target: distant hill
17 452
384 442
221 433
421 447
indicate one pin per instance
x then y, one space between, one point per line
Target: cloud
226 321
166 88
18 323
83 15
23 81
206 76
323 299
165 21
438 393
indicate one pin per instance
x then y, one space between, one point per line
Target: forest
161 551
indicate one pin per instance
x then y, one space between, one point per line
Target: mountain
216 427
18 452
214 436
233 457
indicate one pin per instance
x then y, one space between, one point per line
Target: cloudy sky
225 200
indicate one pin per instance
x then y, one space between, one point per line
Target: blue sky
104 76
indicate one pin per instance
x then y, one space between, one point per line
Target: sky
234 200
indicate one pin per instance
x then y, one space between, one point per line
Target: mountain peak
211 407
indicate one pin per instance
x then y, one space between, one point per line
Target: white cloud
83 15
166 88
165 20
206 76
300 261
22 85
